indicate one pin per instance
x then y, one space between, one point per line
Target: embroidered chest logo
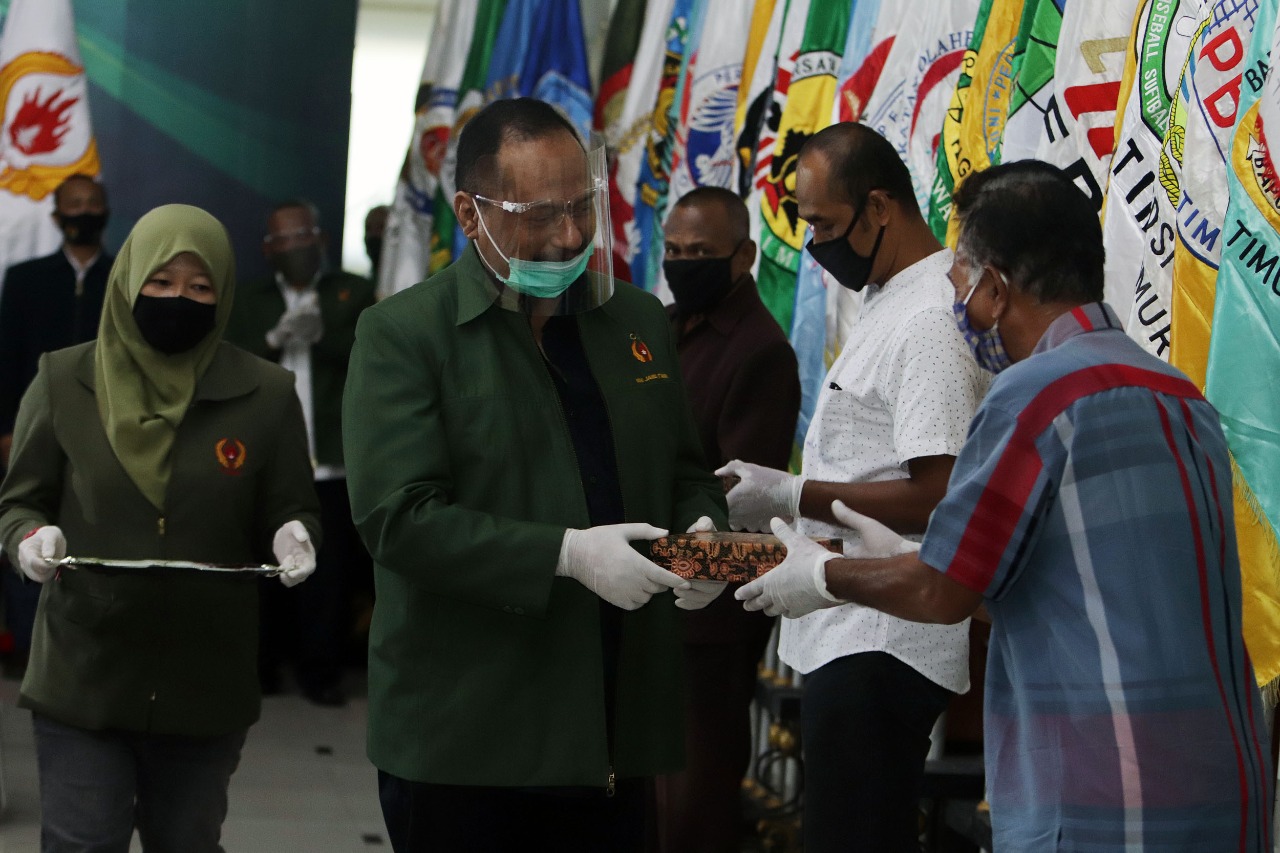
230 453
640 350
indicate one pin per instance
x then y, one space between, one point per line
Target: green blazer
161 651
342 297
485 668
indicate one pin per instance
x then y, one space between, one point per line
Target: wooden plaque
724 556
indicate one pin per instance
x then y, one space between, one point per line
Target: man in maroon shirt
745 390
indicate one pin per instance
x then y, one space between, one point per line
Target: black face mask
299 265
83 229
373 248
837 257
698 283
173 324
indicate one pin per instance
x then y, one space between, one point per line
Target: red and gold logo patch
230 453
640 350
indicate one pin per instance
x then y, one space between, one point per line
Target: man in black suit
46 304
303 316
53 302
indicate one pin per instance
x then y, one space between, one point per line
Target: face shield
543 230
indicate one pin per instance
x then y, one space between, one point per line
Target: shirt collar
476 288
286 286
80 268
1093 317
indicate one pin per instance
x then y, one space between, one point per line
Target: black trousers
310 623
422 817
865 724
700 809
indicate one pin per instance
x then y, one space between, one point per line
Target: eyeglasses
548 213
295 236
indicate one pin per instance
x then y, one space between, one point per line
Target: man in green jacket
512 427
303 316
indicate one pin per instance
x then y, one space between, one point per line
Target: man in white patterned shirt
890 420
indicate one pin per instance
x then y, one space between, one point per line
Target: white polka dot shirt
905 386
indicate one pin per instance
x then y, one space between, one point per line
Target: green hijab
143 393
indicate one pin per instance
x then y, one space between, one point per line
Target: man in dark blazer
47 304
744 387
53 302
304 317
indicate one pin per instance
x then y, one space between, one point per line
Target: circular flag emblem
46 135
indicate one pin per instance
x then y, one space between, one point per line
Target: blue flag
555 62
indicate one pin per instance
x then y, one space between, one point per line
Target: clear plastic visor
537 219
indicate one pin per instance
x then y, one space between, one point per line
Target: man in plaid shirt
1091 511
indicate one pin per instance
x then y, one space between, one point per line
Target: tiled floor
303 784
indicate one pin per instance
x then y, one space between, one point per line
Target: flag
651 186
407 244
920 74
771 104
1137 222
1034 101
814 292
872 28
502 77
555 66
1220 72
1087 79
628 136
974 123
703 154
805 109
759 68
1243 357
621 44
445 245
47 134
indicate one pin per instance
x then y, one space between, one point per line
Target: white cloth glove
700 592
602 559
294 553
763 493
39 553
798 585
301 325
872 539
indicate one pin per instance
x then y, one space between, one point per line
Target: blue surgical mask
986 345
543 279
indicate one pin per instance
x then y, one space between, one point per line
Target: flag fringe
1258 518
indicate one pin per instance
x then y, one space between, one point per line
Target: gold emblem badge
640 350
230 453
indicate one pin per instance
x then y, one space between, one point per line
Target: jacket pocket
78 602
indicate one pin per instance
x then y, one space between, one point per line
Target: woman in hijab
156 442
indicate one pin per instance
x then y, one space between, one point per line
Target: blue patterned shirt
1091 506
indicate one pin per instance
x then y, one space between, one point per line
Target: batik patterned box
724 556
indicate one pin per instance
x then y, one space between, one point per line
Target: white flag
1087 79
46 135
406 252
704 147
915 87
628 135
1138 220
